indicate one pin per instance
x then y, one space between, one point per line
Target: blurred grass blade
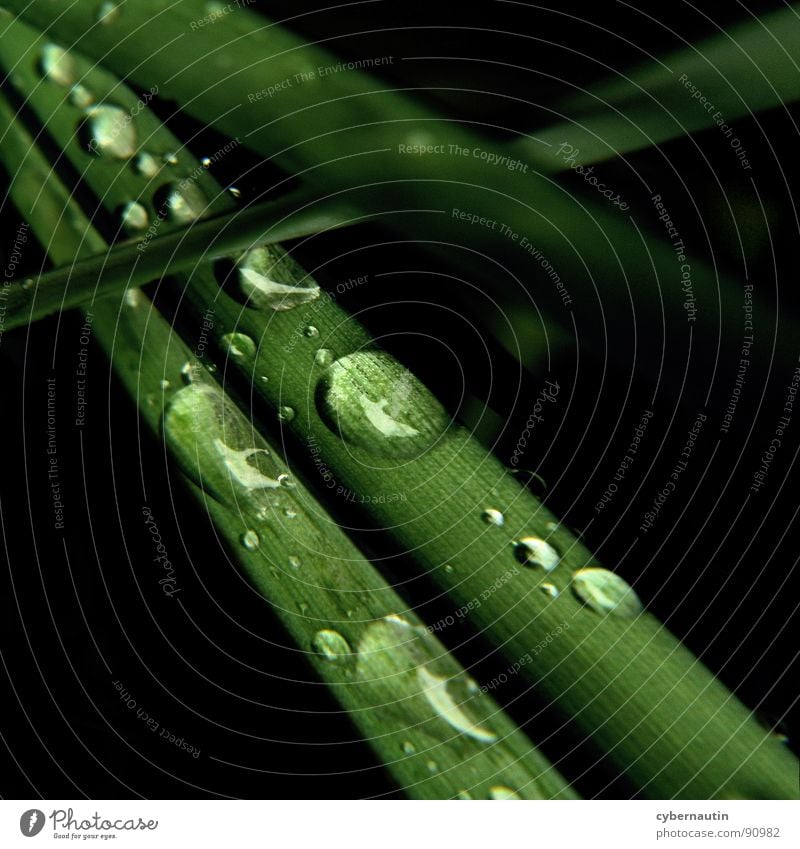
428 721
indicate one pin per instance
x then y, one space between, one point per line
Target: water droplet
111 132
371 401
165 384
185 202
170 158
464 794
409 748
210 367
295 562
549 589
239 345
270 280
302 606
311 331
134 216
332 646
205 162
241 470
286 414
108 13
436 692
133 298
605 592
432 766
448 568
147 165
189 372
57 65
493 517
80 96
288 512
264 378
535 552
28 283
234 192
285 481
250 540
323 357
500 793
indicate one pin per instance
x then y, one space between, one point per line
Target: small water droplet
57 65
108 13
535 552
606 592
288 512
264 378
185 202
189 372
80 96
165 384
549 589
286 414
285 481
432 766
133 298
464 794
250 540
170 158
111 132
409 748
234 192
311 331
493 517
210 367
448 568
269 279
323 357
28 283
302 606
331 645
295 562
134 216
502 793
239 345
205 162
147 165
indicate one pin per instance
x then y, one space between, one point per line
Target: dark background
215 672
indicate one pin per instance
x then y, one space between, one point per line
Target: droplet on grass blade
605 592
111 132
373 402
147 165
183 202
500 793
80 96
58 66
108 13
323 357
239 345
250 540
493 517
331 645
267 281
134 216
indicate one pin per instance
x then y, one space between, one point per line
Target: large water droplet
441 699
58 66
605 592
80 96
250 540
535 552
269 279
331 645
111 132
239 345
323 357
493 517
502 793
134 216
373 402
